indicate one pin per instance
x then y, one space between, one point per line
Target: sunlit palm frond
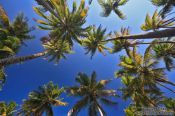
156 22
7 109
4 20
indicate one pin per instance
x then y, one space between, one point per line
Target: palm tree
157 34
165 52
42 100
120 44
21 28
94 41
63 23
141 78
112 5
141 93
7 109
56 50
93 93
156 22
82 12
166 4
12 34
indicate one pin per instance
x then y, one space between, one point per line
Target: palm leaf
3 17
119 13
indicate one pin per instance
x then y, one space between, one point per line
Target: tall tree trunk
14 60
149 35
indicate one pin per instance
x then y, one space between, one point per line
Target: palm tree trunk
100 109
14 60
163 42
149 35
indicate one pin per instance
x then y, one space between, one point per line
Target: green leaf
7 49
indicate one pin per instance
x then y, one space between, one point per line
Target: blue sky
25 77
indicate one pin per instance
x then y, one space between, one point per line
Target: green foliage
56 50
165 51
112 5
141 78
120 44
63 23
140 75
7 109
21 28
156 22
4 20
42 100
12 34
9 46
131 110
166 4
92 93
95 41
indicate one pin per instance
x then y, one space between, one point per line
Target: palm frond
94 41
91 92
8 109
119 13
42 100
57 50
70 23
4 20
108 101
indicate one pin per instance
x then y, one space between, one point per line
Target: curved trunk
149 35
18 59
